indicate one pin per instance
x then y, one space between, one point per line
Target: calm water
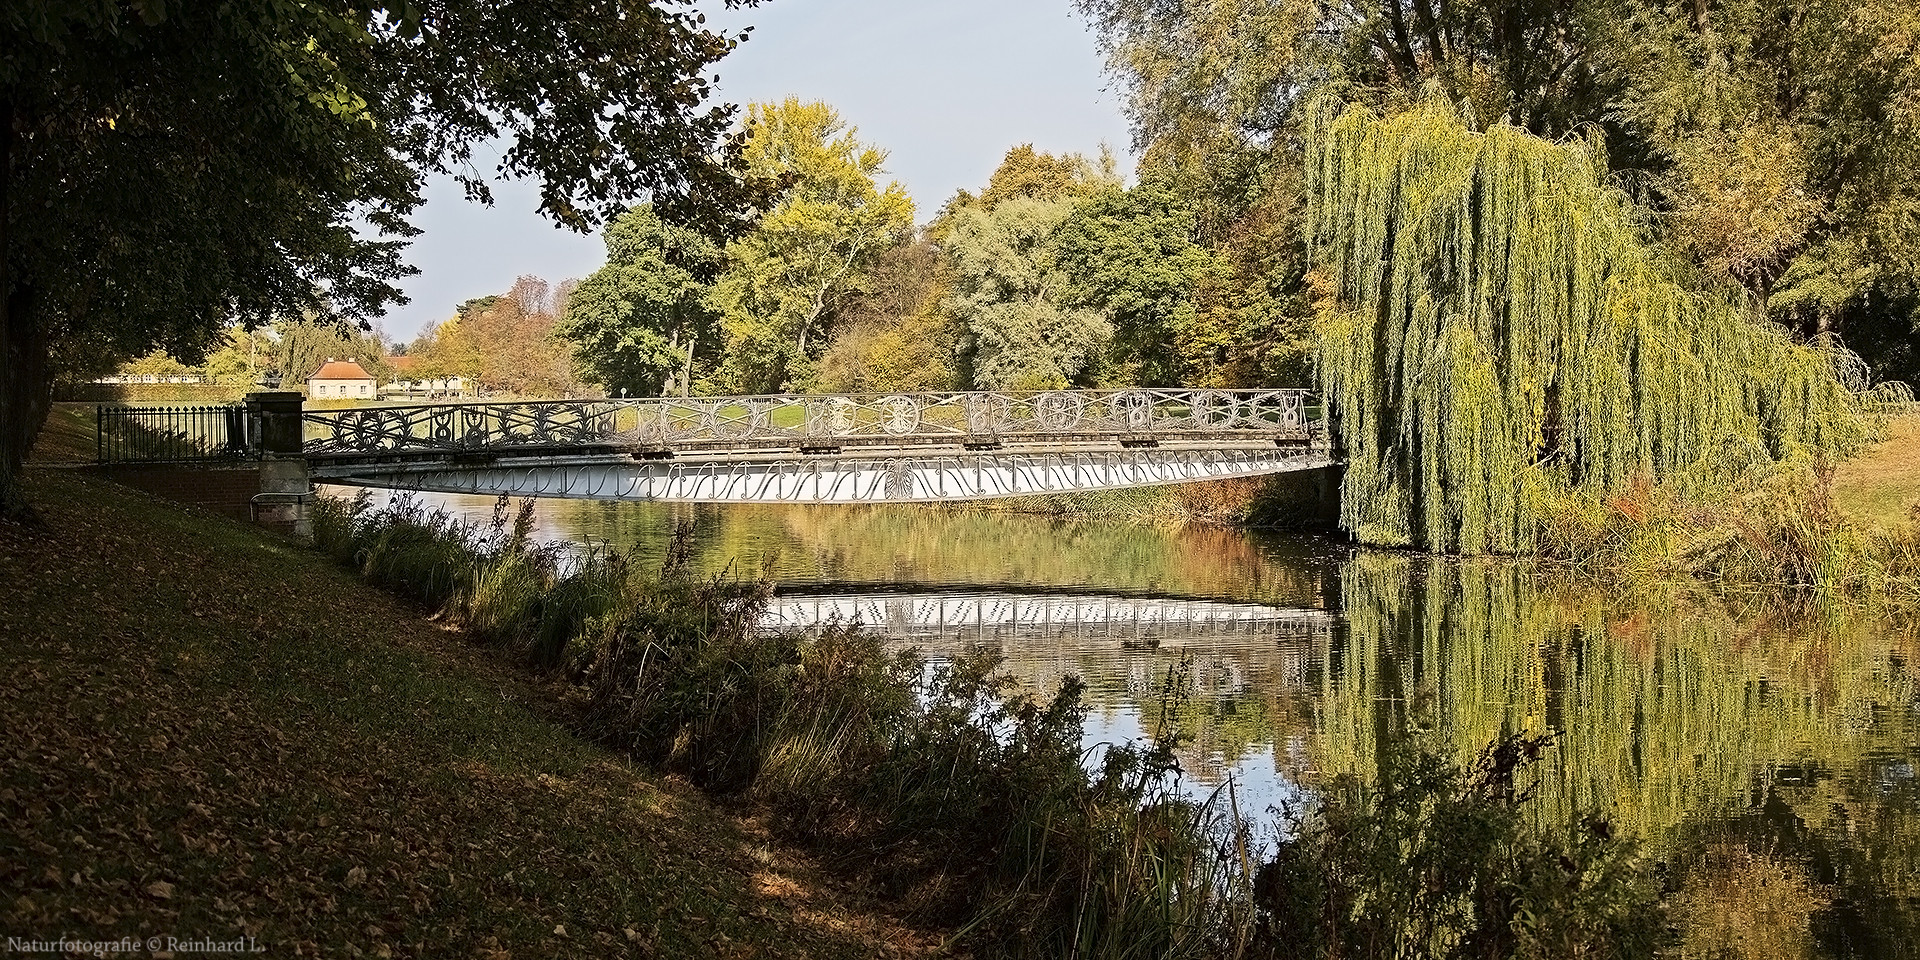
1774 749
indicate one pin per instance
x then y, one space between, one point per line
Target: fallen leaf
160 890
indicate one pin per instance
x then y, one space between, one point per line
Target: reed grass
1777 528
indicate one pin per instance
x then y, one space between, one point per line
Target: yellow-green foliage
1494 334
1667 703
1778 526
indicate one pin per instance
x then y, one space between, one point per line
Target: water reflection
937 546
947 617
1772 750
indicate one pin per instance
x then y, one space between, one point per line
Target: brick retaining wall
223 488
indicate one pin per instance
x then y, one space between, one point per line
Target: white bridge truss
928 476
996 617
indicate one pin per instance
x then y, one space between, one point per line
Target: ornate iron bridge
822 449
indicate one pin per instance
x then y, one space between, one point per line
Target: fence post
276 416
279 436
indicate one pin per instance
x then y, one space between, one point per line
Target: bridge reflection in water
980 617
1120 644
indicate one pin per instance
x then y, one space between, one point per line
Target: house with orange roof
341 379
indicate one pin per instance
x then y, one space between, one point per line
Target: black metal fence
162 434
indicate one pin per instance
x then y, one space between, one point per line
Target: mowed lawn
1880 488
212 733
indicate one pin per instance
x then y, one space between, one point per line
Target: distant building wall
355 389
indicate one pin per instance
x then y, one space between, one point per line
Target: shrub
1775 528
1436 861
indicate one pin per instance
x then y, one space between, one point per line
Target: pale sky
945 88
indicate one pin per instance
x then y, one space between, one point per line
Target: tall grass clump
1435 860
1776 527
491 579
1495 334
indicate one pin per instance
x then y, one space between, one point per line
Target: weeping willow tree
1495 335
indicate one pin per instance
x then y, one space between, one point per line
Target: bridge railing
171 434
821 421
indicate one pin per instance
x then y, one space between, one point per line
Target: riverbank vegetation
970 805
974 804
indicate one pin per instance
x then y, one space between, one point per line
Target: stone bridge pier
285 500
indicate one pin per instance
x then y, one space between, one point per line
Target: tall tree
1009 293
1496 334
638 322
168 168
503 343
300 347
895 335
1131 255
1786 139
1033 175
1768 143
811 248
513 336
1205 75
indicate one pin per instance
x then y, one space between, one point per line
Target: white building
341 379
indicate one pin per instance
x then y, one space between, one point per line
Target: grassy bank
69 435
1879 488
1851 531
212 733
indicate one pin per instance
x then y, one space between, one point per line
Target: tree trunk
26 394
26 390
686 379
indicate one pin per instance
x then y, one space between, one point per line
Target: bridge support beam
903 477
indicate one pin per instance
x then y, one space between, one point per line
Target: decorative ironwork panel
461 427
782 421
